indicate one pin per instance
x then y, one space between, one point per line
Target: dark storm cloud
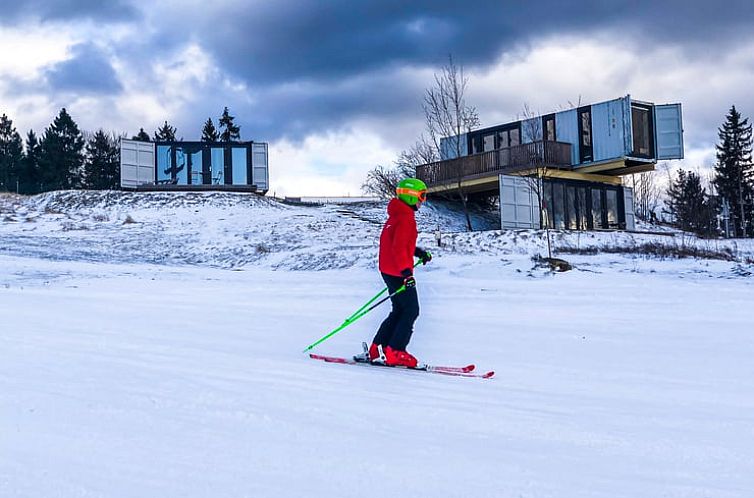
65 10
313 39
87 72
273 45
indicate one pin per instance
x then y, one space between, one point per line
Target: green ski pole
373 299
355 317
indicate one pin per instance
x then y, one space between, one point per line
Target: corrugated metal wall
608 130
567 130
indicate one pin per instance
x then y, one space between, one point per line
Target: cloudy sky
335 86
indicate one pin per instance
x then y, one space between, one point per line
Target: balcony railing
511 159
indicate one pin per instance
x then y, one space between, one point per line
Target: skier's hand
424 256
409 282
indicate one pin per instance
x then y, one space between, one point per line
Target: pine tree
142 136
11 155
690 205
102 167
734 172
230 131
165 133
29 181
209 132
61 156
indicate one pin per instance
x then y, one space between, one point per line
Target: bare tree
381 181
447 115
531 129
647 195
422 152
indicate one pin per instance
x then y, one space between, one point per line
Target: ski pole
356 316
372 300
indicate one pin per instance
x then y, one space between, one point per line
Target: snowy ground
141 375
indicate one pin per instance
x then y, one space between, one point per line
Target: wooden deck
479 172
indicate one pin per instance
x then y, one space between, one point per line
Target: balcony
488 165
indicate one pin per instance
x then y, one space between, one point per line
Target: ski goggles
419 194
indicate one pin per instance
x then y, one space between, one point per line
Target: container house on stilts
573 161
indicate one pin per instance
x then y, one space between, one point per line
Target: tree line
65 157
726 205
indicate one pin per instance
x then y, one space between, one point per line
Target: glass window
586 129
612 208
476 145
164 164
489 142
240 175
502 138
547 199
641 132
571 217
581 208
195 167
515 138
558 207
597 208
549 129
217 165
181 171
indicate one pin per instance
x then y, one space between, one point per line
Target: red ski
442 370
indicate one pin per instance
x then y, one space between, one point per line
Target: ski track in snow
163 358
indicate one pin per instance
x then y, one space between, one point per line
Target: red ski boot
397 358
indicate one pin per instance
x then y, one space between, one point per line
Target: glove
423 255
409 282
408 278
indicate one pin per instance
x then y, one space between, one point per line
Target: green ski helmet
411 191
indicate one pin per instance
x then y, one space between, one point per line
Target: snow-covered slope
235 230
127 371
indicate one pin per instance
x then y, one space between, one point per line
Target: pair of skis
467 371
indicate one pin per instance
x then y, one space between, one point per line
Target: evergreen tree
30 176
102 167
61 155
165 133
11 155
230 131
209 132
142 136
690 205
734 172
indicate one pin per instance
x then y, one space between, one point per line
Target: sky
335 87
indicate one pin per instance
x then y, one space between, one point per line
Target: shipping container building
574 161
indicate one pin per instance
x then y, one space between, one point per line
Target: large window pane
181 169
571 218
502 138
195 166
547 199
641 133
217 165
240 176
515 138
489 142
597 208
558 207
581 208
164 173
612 208
549 129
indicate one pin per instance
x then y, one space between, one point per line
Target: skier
397 252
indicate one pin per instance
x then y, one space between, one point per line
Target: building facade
239 166
573 161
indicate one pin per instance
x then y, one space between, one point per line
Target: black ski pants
397 328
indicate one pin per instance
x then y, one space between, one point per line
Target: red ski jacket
398 239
